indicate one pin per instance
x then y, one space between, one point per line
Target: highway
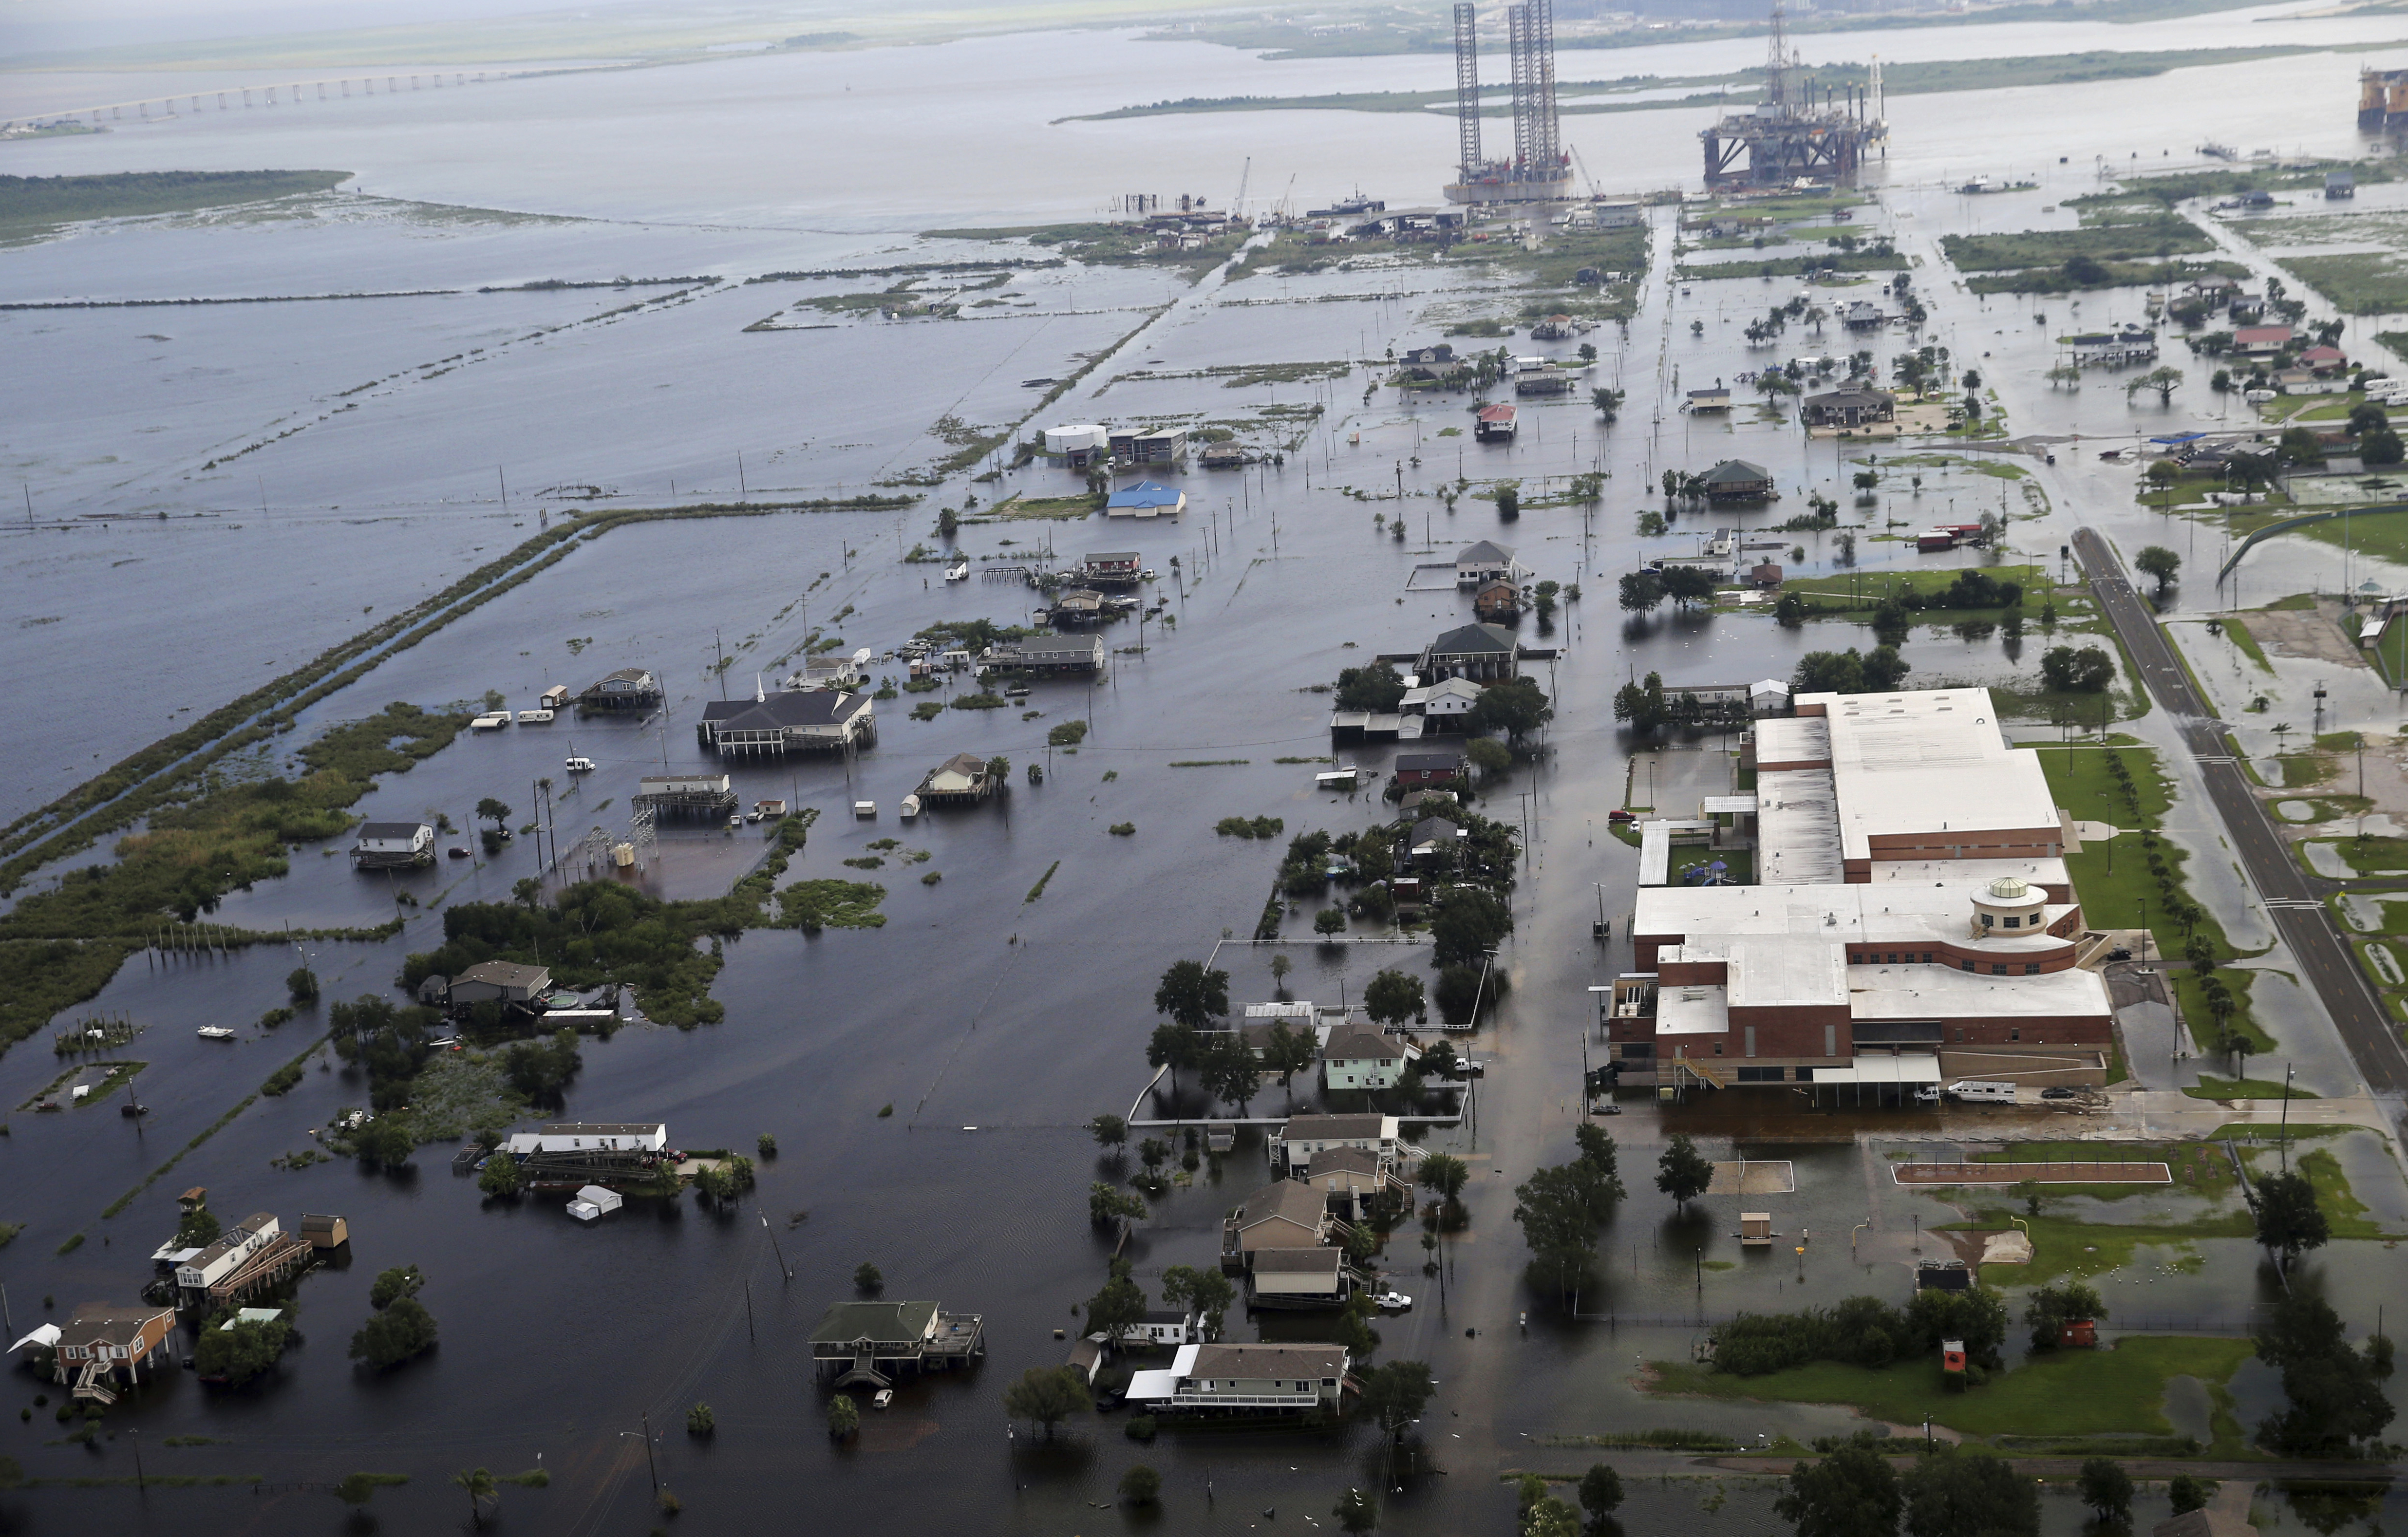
2291 897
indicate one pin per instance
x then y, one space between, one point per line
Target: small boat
491 720
214 1032
909 808
535 717
866 809
579 765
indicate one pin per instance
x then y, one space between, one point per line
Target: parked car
1393 1302
2060 1092
881 1399
2120 953
1620 816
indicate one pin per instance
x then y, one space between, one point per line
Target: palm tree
482 1491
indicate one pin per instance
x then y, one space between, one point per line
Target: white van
1980 1091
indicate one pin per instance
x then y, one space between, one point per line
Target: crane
1287 200
1239 211
1593 193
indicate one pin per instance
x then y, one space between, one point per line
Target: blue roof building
1146 499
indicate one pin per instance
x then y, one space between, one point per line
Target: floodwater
993 1023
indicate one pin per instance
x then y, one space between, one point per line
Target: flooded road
976 1005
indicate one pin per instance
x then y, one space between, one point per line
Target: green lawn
2242 1089
2238 633
2063 1247
2082 781
2159 235
2371 856
2197 1168
2065 1393
1865 590
2383 534
2363 283
1742 861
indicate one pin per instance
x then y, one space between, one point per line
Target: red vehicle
1620 816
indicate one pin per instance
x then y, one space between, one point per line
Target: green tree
1850 1490
490 809
1508 501
237 1354
1954 1491
1470 924
1560 1226
1140 1484
1109 1131
1686 586
1601 1492
2067 669
1376 687
383 1143
301 985
2381 447
1330 921
1642 591
1282 966
393 1336
1550 1517
1208 1292
1489 756
2188 1494
867 1278
1515 707
1978 1317
479 1486
1118 1308
2334 1393
358 1489
2051 1308
1641 703
1230 1072
1191 995
1108 1204
1607 403
1394 1395
391 1285
1047 1396
2159 564
1174 1046
1393 997
2107 1490
1444 1175
2164 381
2289 1222
1288 1051
1683 1172
844 1415
197 1230
1828 672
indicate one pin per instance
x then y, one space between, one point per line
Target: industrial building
1917 925
2382 98
1796 132
1538 170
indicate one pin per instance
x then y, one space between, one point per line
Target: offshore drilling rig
2382 98
1796 133
1540 170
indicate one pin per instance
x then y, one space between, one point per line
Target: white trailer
1982 1091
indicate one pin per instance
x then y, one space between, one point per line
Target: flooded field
220 492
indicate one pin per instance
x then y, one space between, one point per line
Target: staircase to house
92 1382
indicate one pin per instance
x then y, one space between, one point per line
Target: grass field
2242 1089
2083 782
2238 633
1794 266
2371 856
2384 534
1864 591
2065 1393
29 205
2363 283
2056 280
2157 236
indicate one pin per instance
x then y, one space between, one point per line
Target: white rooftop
1712 920
1920 992
1793 739
1905 1067
1692 1008
2039 872
1928 762
1786 969
1797 829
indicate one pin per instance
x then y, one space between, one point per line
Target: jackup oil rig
1797 132
1540 170
2382 99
